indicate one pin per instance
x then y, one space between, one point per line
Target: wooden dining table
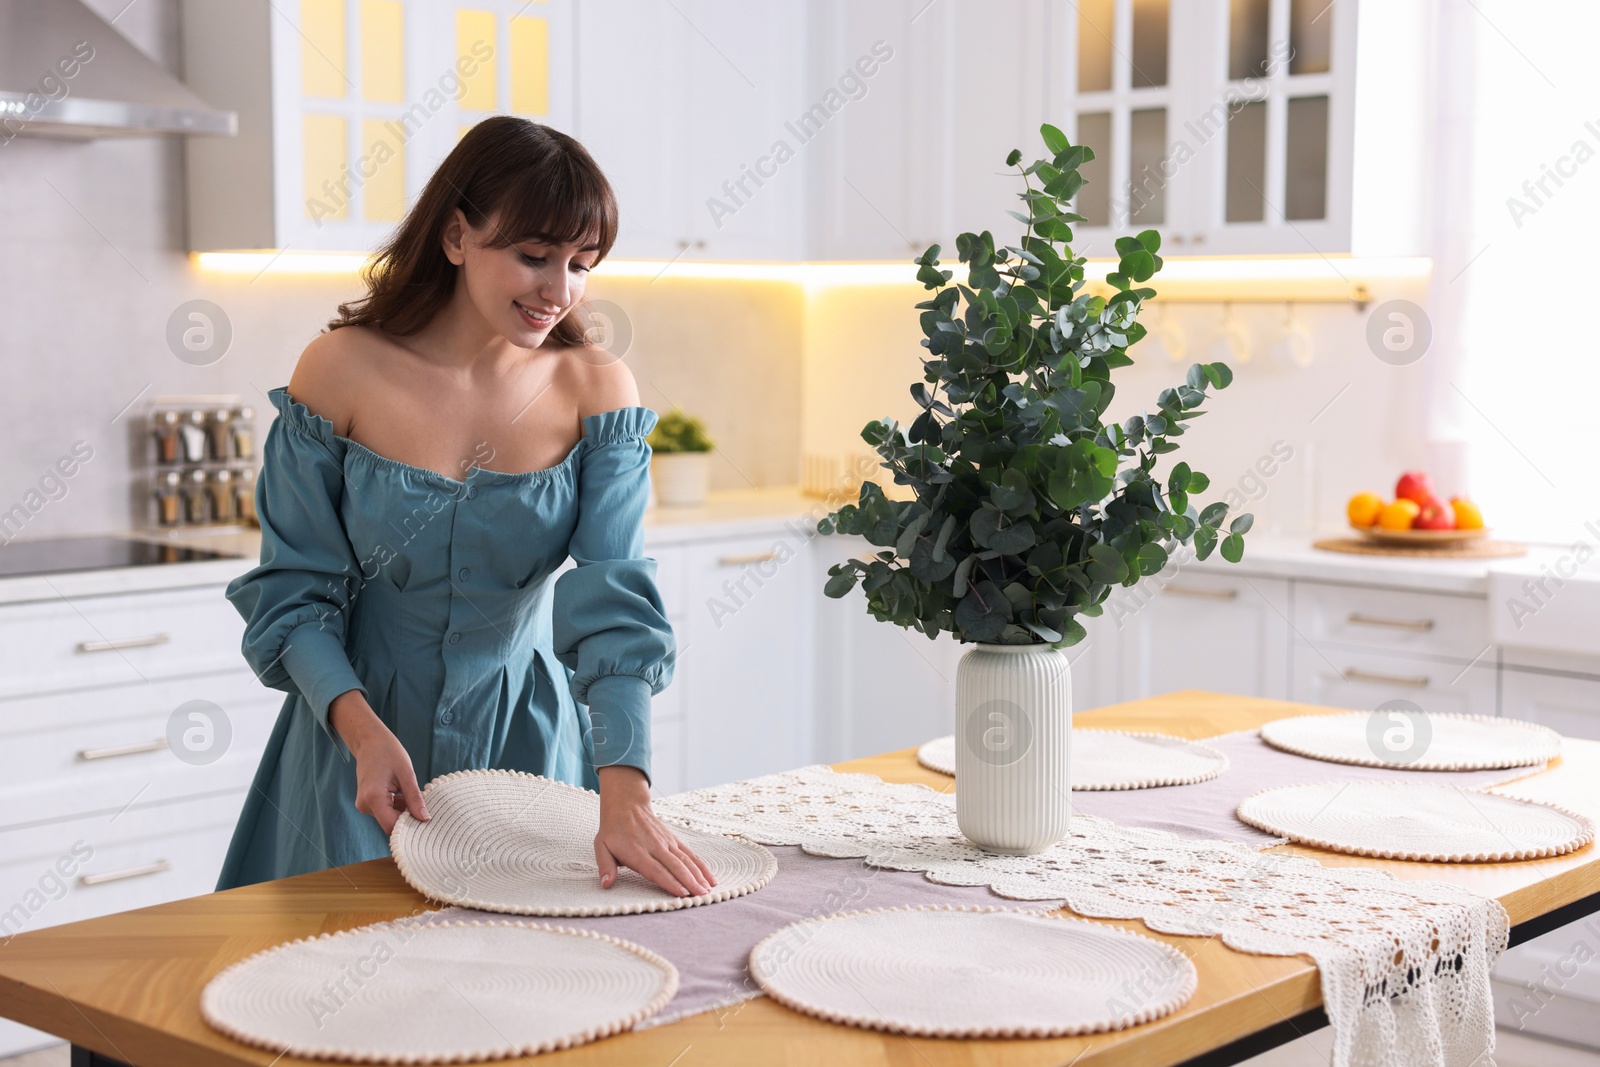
125 988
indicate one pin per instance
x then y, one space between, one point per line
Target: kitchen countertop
730 513
73 979
1293 557
741 512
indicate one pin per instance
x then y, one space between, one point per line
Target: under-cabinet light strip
825 275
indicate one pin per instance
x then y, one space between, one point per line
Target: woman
439 452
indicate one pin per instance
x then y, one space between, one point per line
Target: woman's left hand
632 836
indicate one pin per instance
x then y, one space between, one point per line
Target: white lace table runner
1404 965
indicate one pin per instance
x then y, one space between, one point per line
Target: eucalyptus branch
1041 506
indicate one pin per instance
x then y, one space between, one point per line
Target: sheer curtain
1516 285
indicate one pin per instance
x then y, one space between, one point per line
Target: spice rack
202 461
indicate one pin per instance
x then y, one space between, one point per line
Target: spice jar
221 486
193 430
244 443
244 494
194 498
168 489
165 427
221 430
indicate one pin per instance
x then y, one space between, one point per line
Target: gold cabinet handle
1420 626
1355 674
749 557
123 750
127 872
1208 594
120 643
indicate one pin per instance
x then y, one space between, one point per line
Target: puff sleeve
610 627
295 601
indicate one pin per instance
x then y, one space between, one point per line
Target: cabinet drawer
94 866
1391 621
113 640
1340 678
1568 705
63 754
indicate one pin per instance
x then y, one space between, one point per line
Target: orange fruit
1468 517
1363 509
1399 515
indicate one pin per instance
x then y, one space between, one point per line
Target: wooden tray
1420 538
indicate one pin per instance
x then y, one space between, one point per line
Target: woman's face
523 289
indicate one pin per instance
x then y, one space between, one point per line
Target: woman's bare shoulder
328 376
601 381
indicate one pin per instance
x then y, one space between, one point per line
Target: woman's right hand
386 783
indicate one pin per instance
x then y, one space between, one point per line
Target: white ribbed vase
1013 730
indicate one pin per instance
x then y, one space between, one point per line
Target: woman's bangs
564 207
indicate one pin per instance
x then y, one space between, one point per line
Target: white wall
1351 421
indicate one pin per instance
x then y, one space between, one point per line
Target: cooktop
52 556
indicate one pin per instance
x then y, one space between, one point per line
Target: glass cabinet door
1225 124
1276 126
1124 69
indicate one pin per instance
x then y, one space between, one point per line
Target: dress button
472 491
464 573
455 637
447 717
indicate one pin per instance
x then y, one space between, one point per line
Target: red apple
1435 515
1414 485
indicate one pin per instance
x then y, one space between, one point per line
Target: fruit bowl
1421 538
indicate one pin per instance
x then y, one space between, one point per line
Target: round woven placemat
509 841
1112 759
1486 549
971 971
1455 742
447 992
1416 821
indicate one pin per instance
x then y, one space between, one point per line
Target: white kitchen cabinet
97 812
920 156
879 687
878 186
1225 633
1341 678
123 638
745 98
744 657
346 107
1250 126
1392 621
637 137
1568 704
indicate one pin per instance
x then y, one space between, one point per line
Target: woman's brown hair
538 184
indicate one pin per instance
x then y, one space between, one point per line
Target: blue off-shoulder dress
433 596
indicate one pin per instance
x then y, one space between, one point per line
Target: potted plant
1028 507
679 462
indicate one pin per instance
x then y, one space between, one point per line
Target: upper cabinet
346 107
697 113
930 98
1232 125
831 129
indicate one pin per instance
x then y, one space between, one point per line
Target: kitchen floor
1515 1050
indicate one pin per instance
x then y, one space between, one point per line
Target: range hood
66 72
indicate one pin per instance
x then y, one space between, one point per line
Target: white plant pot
1013 731
680 478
